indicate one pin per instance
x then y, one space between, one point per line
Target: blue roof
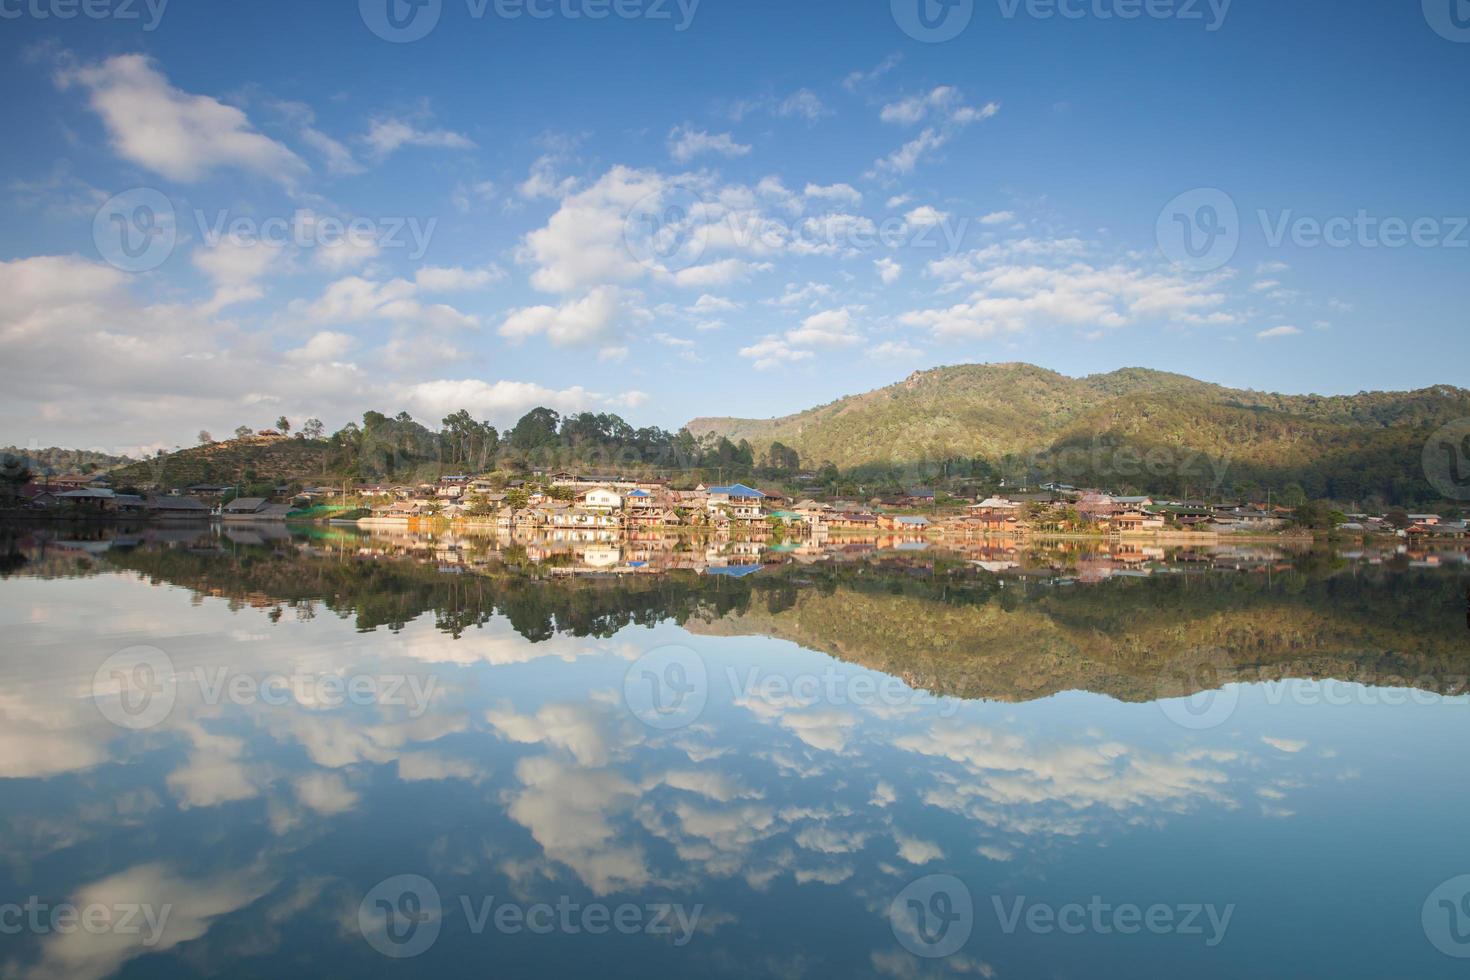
640 493
737 490
734 571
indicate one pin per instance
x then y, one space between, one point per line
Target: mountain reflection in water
871 718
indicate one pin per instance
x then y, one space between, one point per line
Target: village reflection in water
1019 719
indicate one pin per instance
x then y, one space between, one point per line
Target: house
177 508
600 499
254 509
903 523
1136 520
92 498
737 501
207 490
995 507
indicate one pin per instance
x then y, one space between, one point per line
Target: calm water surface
263 754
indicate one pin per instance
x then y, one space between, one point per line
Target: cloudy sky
218 214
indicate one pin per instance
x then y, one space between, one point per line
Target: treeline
542 440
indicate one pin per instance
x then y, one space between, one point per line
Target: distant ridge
1343 446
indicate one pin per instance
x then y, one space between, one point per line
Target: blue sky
838 203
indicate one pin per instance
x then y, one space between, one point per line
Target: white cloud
947 114
686 143
572 323
925 216
893 350
1012 296
888 270
997 217
499 401
1274 332
325 346
543 181
830 328
235 269
385 136
436 279
771 352
804 103
183 137
836 193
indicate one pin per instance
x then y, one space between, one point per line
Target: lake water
257 753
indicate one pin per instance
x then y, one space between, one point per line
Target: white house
601 498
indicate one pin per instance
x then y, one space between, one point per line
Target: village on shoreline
576 502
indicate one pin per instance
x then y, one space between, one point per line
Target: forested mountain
1129 428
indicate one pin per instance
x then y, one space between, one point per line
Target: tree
537 428
516 499
244 432
283 425
205 438
313 429
14 474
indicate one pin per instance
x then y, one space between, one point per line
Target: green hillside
231 462
1089 429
